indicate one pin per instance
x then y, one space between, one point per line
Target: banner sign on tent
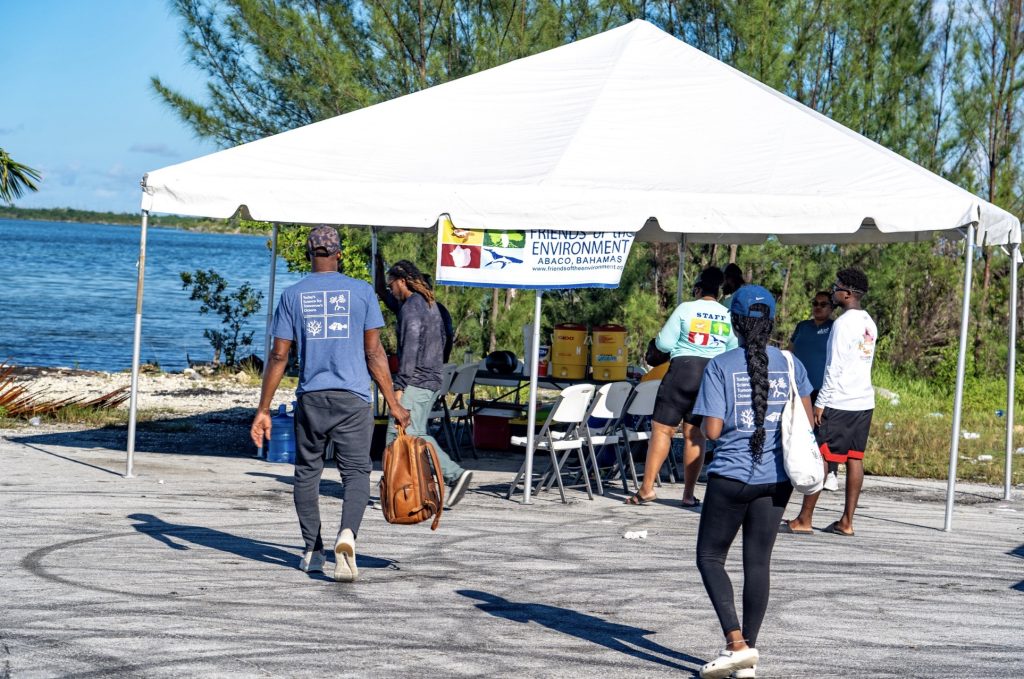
538 258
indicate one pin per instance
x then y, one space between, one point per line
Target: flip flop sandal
834 529
638 499
784 527
685 505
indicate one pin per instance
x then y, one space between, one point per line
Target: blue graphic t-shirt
725 394
325 314
810 345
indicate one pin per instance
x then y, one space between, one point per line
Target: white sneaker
831 482
345 569
458 489
728 662
312 561
747 673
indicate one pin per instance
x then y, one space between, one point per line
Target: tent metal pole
1011 373
531 414
267 339
682 261
373 279
373 256
133 403
961 363
270 304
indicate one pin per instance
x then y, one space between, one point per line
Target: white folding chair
641 406
458 409
609 404
570 411
439 411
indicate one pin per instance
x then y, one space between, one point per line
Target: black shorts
843 434
678 392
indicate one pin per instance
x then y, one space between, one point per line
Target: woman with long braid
741 399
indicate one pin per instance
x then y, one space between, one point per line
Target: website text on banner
537 259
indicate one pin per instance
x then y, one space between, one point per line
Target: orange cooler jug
608 353
569 351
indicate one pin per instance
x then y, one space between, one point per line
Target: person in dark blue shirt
419 376
742 396
394 305
809 343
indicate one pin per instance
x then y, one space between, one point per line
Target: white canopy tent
630 130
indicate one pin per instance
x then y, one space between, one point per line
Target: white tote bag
800 454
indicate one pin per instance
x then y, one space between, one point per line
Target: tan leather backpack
411 489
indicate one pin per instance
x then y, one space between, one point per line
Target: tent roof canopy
630 130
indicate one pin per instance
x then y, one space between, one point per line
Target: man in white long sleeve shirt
846 400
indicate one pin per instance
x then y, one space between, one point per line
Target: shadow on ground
181 536
626 639
1019 553
223 433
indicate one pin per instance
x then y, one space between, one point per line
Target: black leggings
728 505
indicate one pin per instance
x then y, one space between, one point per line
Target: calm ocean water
67 292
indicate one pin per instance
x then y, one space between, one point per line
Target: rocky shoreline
160 393
178 412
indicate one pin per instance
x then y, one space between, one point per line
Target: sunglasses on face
838 288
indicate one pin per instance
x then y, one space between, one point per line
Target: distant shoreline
72 216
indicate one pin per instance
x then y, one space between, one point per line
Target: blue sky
75 99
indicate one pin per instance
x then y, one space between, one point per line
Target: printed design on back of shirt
326 315
778 394
706 331
866 345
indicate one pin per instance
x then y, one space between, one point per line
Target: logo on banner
534 258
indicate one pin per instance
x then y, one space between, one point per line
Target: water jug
282 437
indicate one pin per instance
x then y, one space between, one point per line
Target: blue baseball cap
749 295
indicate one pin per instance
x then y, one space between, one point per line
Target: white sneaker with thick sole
728 662
831 482
345 569
458 489
313 561
746 673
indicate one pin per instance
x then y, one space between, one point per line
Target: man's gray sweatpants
419 402
346 421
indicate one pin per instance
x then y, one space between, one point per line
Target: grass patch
97 417
909 439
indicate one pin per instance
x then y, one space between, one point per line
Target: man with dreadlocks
742 395
842 411
420 362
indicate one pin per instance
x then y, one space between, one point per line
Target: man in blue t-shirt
334 322
809 343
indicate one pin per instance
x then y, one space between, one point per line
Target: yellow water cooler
608 353
569 351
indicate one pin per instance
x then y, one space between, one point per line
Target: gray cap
325 237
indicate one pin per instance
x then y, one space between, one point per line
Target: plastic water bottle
282 437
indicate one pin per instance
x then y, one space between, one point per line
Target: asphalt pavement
191 569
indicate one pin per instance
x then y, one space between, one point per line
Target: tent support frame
961 363
680 277
531 413
1011 373
270 303
133 403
